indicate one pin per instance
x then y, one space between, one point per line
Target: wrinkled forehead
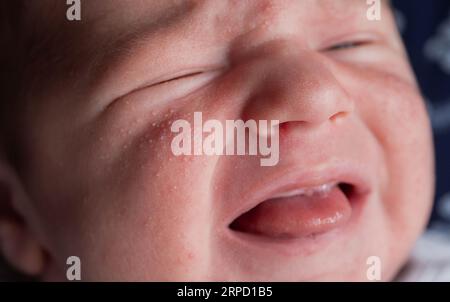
114 30
46 20
117 13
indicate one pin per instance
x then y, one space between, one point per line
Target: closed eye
175 86
346 45
184 76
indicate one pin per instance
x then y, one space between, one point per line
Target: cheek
147 225
127 206
152 209
395 114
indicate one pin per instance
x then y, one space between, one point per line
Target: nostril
338 116
287 126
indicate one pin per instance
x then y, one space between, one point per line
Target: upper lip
349 174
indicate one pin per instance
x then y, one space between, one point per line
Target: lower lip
294 222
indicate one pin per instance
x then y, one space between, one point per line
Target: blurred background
425 27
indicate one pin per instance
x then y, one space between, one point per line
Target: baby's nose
295 85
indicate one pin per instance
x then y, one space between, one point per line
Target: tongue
296 216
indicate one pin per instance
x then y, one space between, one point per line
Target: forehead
112 12
119 18
114 30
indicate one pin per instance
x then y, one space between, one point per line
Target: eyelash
192 74
179 85
346 45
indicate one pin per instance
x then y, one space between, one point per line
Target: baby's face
106 186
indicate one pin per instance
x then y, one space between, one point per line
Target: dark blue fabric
425 27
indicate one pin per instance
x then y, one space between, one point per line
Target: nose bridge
297 86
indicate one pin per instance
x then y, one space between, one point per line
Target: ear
18 244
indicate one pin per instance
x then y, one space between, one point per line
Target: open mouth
300 212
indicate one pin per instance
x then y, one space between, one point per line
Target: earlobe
20 249
18 245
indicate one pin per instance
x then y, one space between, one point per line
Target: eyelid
182 73
177 77
176 86
355 39
347 45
